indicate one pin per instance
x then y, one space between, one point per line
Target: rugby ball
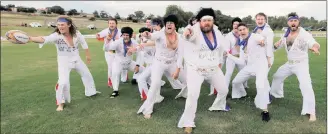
17 37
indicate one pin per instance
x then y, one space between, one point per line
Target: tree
31 10
131 17
151 16
139 14
96 14
178 11
26 9
3 8
248 20
48 10
223 22
43 12
322 23
117 16
103 14
72 12
57 10
10 6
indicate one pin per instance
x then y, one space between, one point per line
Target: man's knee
307 85
278 75
63 82
228 72
223 91
236 81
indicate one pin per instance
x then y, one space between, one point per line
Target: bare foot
60 107
188 130
147 116
312 118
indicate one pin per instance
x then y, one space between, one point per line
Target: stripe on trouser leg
56 88
109 83
144 96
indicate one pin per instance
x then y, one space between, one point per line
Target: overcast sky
316 9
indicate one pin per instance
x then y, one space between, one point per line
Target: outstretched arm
38 39
44 39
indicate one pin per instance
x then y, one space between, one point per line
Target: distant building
41 10
14 9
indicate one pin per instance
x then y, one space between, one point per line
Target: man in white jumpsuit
67 40
265 30
202 55
123 58
109 35
233 48
157 25
141 54
297 42
144 77
252 51
165 61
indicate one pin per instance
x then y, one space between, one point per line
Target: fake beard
206 29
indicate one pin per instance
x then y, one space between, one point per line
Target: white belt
204 70
294 61
125 63
165 61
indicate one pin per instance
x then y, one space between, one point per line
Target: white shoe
159 99
163 83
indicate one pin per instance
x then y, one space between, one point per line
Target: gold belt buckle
293 61
237 55
201 70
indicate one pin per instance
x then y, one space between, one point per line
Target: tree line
48 10
222 21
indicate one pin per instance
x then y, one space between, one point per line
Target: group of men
190 58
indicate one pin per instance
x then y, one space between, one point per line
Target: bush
135 21
92 19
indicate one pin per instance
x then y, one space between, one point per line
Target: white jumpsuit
298 64
257 65
68 58
165 62
202 64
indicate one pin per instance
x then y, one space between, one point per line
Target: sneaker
114 94
134 82
265 116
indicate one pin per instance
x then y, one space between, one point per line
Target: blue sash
208 42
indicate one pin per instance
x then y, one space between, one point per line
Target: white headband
207 17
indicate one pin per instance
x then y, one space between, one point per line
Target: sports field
29 75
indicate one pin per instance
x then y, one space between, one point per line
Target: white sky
316 9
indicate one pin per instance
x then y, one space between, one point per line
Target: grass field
29 75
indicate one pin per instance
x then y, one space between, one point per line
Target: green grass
29 75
